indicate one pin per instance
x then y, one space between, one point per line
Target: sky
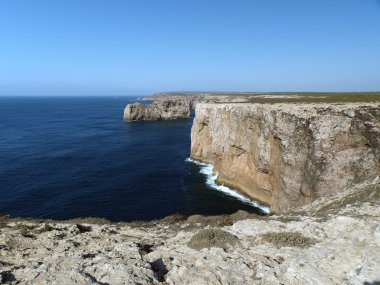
138 47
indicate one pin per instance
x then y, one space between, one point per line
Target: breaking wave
207 168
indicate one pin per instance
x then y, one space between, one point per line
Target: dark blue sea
68 157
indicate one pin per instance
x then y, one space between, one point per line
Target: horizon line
187 91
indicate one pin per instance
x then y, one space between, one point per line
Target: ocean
70 157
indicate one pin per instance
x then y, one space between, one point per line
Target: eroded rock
165 109
287 155
346 250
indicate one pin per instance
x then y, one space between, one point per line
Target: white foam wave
207 168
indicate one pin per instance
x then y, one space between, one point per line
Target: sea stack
163 109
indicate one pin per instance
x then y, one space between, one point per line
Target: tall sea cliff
287 155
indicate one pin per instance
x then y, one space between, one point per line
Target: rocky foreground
334 240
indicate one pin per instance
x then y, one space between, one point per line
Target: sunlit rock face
166 109
287 155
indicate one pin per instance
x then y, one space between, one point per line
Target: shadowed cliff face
288 155
165 109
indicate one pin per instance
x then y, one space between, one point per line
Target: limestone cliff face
165 109
287 155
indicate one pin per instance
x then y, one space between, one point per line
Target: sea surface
68 157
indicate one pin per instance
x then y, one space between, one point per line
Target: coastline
330 243
331 240
213 182
287 155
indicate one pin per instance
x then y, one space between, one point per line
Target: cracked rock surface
288 155
165 109
345 247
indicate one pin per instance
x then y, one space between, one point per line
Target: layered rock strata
287 155
165 109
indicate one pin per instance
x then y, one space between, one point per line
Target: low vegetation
316 97
285 97
90 220
3 217
291 239
212 238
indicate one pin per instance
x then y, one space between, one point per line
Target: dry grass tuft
291 239
212 238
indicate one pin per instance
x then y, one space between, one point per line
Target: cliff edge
329 242
287 155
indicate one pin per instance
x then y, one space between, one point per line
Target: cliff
330 242
287 155
164 109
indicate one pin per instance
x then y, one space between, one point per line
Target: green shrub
212 238
293 239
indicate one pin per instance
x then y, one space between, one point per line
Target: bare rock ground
331 241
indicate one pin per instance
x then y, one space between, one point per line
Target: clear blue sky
125 47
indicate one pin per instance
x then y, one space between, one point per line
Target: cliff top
342 246
315 98
300 109
280 97
268 98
